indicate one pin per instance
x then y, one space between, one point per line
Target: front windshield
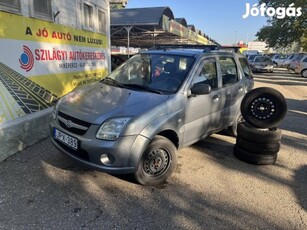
262 59
153 72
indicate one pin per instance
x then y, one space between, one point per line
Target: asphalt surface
211 189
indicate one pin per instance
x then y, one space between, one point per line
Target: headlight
111 129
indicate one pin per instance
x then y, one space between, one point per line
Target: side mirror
200 89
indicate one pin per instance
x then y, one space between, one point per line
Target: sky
220 19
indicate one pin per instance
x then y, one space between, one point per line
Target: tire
259 135
304 73
263 107
256 159
268 148
157 162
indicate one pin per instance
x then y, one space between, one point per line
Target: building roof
147 27
182 21
140 16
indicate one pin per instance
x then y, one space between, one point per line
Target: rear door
232 90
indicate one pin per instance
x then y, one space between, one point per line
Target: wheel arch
171 135
305 69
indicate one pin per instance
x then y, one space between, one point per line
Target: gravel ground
210 189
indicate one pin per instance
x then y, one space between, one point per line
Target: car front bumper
262 68
117 157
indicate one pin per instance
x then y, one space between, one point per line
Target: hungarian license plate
65 139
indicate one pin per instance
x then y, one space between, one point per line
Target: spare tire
256 159
259 135
258 148
263 107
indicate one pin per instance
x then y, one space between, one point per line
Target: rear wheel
157 163
304 73
232 130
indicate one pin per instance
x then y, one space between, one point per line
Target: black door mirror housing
200 89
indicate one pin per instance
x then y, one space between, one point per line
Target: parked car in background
251 57
287 62
296 59
279 59
262 64
301 67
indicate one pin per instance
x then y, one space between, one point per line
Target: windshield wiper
142 87
112 82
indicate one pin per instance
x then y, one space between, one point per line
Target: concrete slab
22 132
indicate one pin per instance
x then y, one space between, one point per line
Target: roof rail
205 48
184 46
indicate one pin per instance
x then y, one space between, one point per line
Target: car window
229 70
208 74
298 57
305 60
262 59
247 71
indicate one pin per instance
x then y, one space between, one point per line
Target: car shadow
300 186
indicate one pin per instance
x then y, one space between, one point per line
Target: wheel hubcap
262 108
156 162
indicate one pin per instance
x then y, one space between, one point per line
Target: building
48 48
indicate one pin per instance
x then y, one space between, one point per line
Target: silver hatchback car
135 120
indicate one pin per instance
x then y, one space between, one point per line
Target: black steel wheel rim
262 108
156 162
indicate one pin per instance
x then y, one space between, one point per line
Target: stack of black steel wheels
258 137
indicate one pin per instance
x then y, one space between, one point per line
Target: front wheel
304 73
157 163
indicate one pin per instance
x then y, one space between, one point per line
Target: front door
203 112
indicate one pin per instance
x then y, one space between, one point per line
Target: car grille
72 124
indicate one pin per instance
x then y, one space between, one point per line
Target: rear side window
245 66
229 70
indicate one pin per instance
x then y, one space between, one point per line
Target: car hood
98 102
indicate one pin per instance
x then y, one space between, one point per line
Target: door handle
215 98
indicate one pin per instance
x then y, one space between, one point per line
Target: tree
283 32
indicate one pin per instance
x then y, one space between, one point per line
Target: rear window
229 70
245 66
